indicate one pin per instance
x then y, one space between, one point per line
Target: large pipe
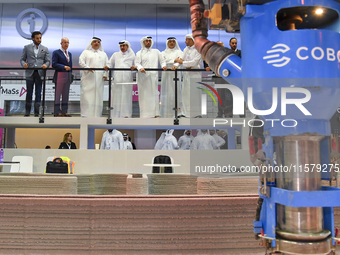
211 52
301 154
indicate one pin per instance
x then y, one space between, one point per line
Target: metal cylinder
301 157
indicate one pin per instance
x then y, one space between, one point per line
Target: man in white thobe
121 98
112 140
92 82
191 60
148 80
185 140
167 141
127 143
167 105
219 140
204 141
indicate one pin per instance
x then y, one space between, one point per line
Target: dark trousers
62 89
226 108
30 81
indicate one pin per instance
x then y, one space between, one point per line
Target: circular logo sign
33 13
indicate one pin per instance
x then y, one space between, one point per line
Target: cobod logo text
303 53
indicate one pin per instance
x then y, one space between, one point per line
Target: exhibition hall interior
169 127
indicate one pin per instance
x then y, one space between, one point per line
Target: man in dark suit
224 135
233 46
34 55
62 60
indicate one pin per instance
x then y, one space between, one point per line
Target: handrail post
176 120
109 119
41 119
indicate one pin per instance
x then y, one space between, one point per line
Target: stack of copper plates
168 184
84 183
102 184
137 184
38 184
128 225
237 185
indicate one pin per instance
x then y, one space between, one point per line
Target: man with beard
127 143
92 82
184 141
34 55
148 80
171 52
191 60
122 93
233 46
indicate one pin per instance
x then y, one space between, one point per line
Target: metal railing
109 119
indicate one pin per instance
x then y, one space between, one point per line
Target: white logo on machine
31 14
274 57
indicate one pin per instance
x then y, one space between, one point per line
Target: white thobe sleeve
121 141
220 141
133 60
138 63
82 61
213 143
194 62
129 147
167 60
193 146
106 63
111 63
161 60
180 55
102 145
174 143
180 141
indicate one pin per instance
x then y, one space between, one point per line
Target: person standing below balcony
122 93
184 142
219 140
92 81
127 143
167 105
62 60
34 55
204 141
191 60
148 80
112 140
67 142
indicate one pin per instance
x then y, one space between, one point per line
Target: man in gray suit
34 55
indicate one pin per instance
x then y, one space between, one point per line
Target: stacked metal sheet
40 185
102 184
238 185
84 183
137 184
128 225
168 184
